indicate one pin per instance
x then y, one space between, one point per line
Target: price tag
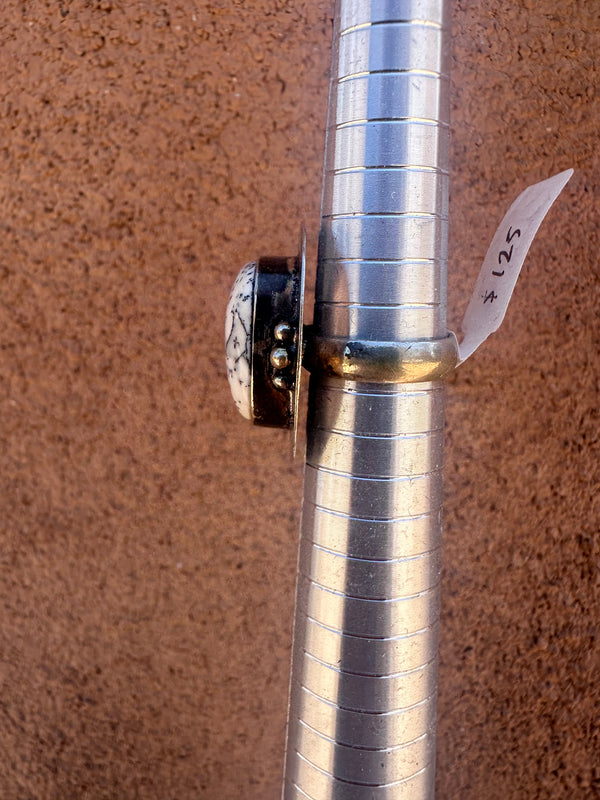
503 262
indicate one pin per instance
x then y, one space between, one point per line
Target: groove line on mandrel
399 394
421 121
392 390
345 595
400 637
328 774
375 560
407 389
395 712
395 749
366 785
379 437
298 789
378 306
409 518
349 596
373 519
398 437
417 72
375 437
400 262
354 476
425 215
400 599
410 22
374 479
400 167
367 561
382 677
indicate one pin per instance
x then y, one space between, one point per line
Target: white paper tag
503 262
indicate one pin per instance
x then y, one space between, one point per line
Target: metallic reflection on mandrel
363 690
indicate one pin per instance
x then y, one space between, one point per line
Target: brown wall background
147 536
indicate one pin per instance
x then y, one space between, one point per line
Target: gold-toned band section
382 362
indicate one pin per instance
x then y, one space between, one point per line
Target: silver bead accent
281 382
283 332
280 358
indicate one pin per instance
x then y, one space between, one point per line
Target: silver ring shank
363 691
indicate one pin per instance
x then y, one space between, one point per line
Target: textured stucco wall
147 535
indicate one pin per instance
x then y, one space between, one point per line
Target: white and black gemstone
238 339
